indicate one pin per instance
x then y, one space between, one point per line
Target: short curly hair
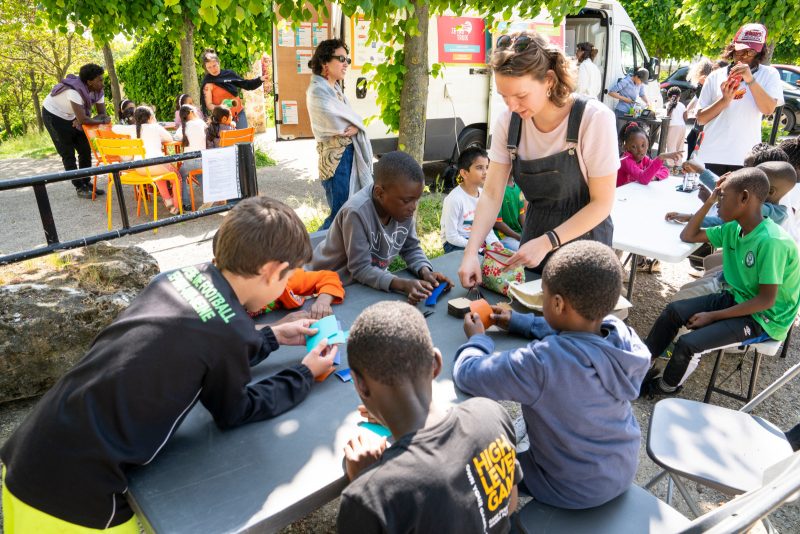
323 54
750 179
762 153
390 342
89 72
791 147
588 275
396 166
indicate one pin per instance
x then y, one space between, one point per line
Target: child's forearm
693 232
763 301
500 226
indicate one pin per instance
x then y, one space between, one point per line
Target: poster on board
286 36
302 37
362 49
289 112
541 25
302 57
461 40
319 32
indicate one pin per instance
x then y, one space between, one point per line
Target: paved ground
293 181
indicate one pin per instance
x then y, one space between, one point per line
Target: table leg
632 278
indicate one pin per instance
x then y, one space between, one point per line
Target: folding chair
92 132
637 511
226 138
724 449
762 346
131 148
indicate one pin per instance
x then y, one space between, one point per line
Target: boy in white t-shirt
733 101
458 209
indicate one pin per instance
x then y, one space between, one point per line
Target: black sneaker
84 192
98 192
651 387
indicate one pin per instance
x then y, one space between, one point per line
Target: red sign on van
462 40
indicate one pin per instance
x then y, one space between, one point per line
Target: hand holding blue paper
327 328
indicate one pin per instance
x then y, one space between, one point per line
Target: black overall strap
575 117
512 143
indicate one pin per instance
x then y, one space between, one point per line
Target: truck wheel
788 120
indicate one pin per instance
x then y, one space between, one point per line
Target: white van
460 103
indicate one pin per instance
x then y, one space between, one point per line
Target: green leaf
239 13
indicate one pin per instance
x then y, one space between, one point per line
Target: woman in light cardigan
345 154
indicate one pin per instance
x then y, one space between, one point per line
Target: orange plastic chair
92 132
226 138
121 148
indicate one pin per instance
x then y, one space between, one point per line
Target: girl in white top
676 135
153 134
193 135
458 208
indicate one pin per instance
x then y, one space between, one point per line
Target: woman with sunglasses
221 87
734 99
345 153
560 147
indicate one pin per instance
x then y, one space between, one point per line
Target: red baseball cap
750 36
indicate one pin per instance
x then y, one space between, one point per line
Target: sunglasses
518 45
342 59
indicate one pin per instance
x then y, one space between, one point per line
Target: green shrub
263 159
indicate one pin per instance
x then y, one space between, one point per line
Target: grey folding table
263 476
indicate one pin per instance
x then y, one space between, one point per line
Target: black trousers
686 354
719 169
68 140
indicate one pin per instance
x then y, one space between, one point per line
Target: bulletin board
292 49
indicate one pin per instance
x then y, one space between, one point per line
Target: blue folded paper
327 328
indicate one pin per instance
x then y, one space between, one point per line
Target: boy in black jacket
186 337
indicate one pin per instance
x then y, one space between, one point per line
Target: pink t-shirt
597 149
643 172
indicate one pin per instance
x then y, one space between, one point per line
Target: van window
626 52
639 59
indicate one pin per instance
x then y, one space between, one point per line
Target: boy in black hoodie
186 337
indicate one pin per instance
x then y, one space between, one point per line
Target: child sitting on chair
376 225
635 166
152 134
574 380
761 269
448 470
458 208
220 121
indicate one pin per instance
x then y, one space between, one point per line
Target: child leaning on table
186 338
574 379
635 166
458 208
376 225
762 273
447 470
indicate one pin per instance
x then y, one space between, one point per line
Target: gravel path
292 180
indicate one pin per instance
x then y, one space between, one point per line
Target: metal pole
45 213
123 211
776 122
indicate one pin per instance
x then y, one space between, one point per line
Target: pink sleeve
630 172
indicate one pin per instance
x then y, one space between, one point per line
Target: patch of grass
34 144
263 159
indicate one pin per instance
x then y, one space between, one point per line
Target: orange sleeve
308 283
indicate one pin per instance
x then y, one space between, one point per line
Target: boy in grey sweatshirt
375 225
574 380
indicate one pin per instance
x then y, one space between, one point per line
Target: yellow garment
21 518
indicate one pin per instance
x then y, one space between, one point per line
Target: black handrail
247 182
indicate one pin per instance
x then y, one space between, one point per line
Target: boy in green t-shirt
511 218
760 265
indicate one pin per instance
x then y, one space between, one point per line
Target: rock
52 308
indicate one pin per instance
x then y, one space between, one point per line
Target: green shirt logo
750 259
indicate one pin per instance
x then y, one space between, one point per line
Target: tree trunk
414 96
37 108
116 94
768 56
188 68
5 112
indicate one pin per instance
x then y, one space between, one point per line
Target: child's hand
434 278
293 333
363 412
497 246
292 317
501 316
670 155
361 452
416 290
322 306
320 360
692 165
699 320
473 325
674 216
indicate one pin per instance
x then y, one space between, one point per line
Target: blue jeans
337 188
241 121
510 243
449 247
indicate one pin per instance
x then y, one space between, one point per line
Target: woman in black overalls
537 84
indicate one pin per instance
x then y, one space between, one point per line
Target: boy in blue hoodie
574 380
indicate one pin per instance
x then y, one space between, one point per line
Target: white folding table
640 227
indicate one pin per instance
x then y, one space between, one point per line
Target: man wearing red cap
734 99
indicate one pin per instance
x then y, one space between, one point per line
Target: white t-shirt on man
731 134
61 104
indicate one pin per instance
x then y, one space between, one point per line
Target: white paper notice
319 33
220 174
302 57
285 36
303 35
289 112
